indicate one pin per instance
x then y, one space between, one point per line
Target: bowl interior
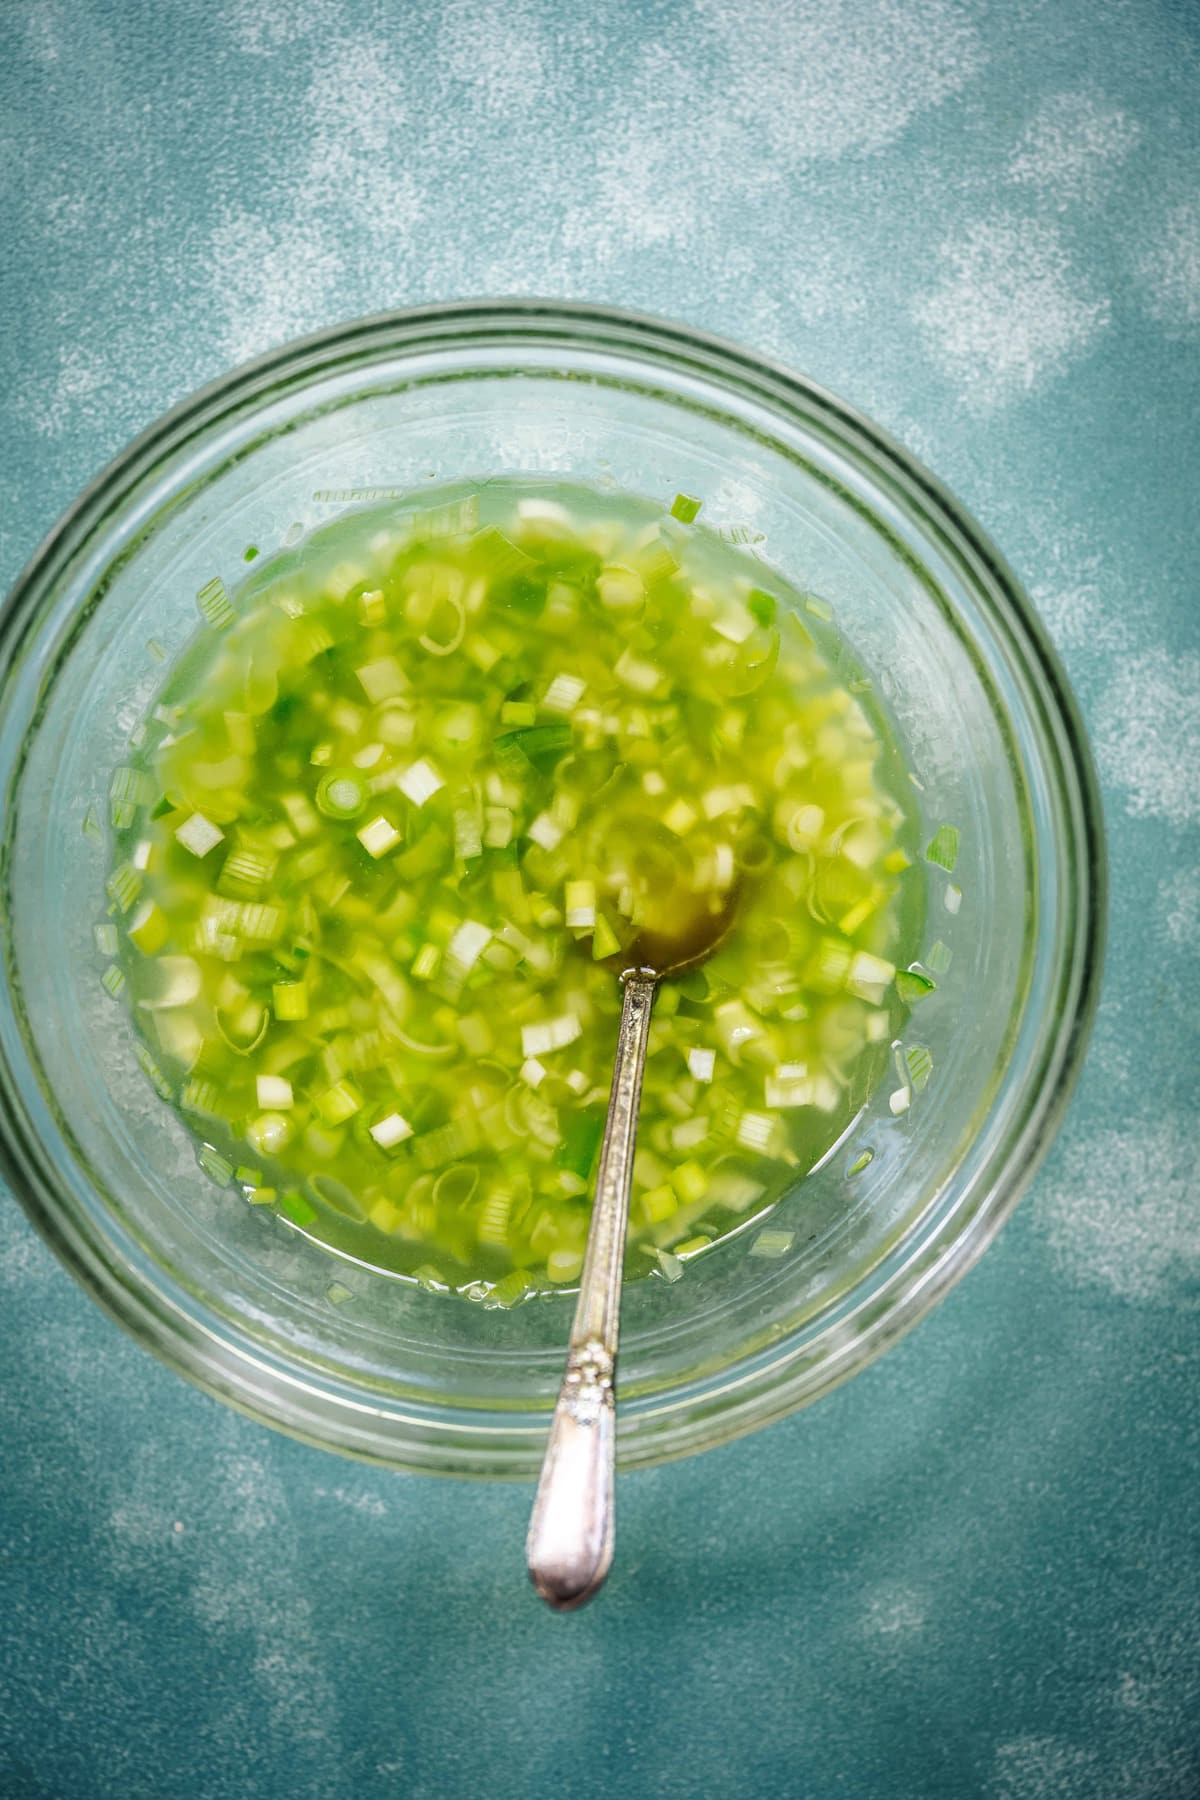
353 1358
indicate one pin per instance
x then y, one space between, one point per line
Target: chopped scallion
772 1243
198 834
216 608
685 508
417 783
942 848
913 985
341 794
378 837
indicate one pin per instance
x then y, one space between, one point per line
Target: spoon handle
570 1542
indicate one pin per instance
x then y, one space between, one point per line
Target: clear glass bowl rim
729 1404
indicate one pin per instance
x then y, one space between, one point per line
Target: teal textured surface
976 1569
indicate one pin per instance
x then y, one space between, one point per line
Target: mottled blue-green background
976 1570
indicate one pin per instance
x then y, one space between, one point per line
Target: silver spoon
569 1548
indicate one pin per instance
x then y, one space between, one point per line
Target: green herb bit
772 1243
913 984
217 1167
298 1209
216 608
942 848
129 789
762 606
124 885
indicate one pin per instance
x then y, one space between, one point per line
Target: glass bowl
362 1363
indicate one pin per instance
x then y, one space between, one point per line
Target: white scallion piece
729 1187
382 679
468 834
564 694
756 1131
724 866
497 827
391 1130
868 976
564 810
447 643
199 835
735 624
550 1034
620 589
274 1092
799 826
420 782
825 1093
378 836
783 1094
736 1026
534 509
772 1243
702 1063
689 1135
580 905
269 1133
546 832
636 673
467 945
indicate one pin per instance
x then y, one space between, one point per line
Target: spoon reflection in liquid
570 1544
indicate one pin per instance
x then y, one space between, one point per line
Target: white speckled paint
1041 1768
1011 310
1168 263
823 78
1070 146
1089 616
1148 734
270 278
1121 1211
894 1612
1179 907
498 52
